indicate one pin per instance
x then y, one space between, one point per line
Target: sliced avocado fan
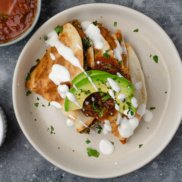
83 88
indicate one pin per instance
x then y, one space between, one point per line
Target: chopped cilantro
152 108
43 105
155 58
38 98
92 152
95 107
58 29
99 129
28 93
150 55
106 55
28 74
51 130
37 60
86 43
131 112
115 24
45 37
49 103
87 141
106 97
136 30
101 113
95 22
140 145
36 104
27 77
112 142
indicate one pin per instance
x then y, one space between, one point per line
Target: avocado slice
85 88
91 73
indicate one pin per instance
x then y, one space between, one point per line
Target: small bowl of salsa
17 19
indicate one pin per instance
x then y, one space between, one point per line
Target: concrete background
19 162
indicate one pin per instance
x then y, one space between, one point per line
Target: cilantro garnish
152 108
140 145
136 30
86 43
106 97
106 55
115 24
45 37
95 22
155 58
99 129
92 152
51 130
58 29
27 77
28 93
36 104
87 141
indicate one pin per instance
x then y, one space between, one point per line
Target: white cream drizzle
72 98
114 85
74 86
118 121
134 102
117 107
125 129
106 147
59 74
141 109
66 52
118 51
52 56
63 90
93 32
107 127
134 122
121 97
119 75
69 122
138 85
56 104
111 93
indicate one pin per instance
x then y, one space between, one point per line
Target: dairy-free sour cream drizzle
66 52
93 32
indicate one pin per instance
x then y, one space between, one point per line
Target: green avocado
83 88
91 73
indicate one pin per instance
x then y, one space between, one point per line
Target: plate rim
78 173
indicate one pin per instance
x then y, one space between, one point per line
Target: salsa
16 16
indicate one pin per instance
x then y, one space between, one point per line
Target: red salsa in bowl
16 16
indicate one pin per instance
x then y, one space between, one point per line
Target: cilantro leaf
156 58
92 152
87 141
58 29
152 108
136 30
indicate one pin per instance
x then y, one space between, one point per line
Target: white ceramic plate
67 149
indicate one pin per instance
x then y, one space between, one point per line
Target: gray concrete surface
19 162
